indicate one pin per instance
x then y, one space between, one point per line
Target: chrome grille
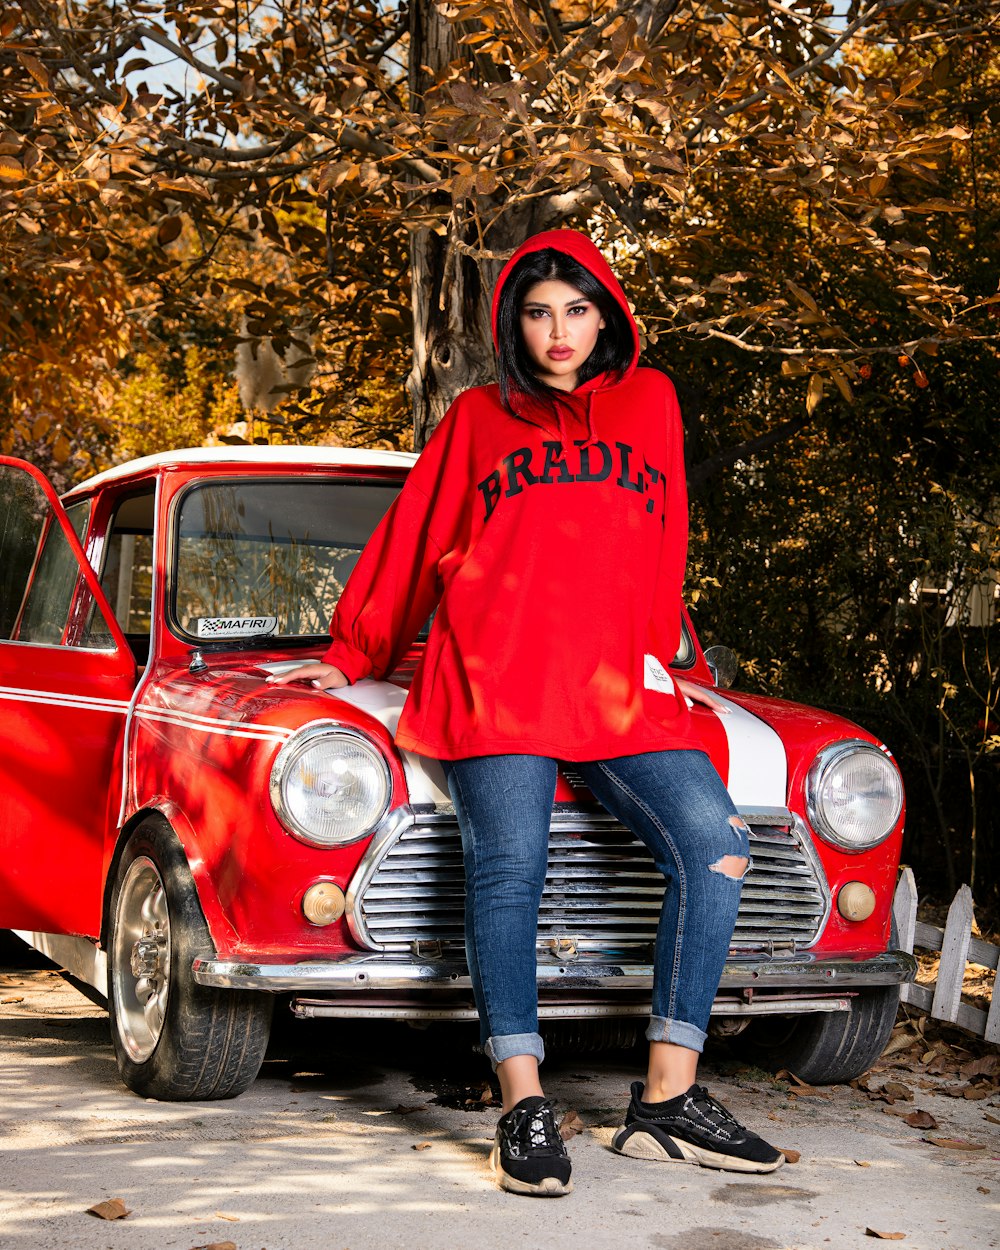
602 889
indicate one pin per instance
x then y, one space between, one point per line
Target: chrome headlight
854 795
330 786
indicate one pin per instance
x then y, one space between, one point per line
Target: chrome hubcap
146 955
141 959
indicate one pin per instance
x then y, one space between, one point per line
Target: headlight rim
825 759
304 737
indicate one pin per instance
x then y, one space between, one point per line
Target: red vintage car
193 842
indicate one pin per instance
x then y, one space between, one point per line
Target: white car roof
281 455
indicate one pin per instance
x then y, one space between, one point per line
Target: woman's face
560 327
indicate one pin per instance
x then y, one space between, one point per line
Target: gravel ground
357 1137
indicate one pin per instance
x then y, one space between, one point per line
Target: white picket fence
958 947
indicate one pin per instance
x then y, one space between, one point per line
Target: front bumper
393 973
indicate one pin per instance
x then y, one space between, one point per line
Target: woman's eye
536 313
579 308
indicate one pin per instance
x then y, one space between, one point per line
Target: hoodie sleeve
396 582
390 592
665 625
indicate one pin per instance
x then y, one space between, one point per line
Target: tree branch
347 136
590 38
702 474
863 19
908 347
552 23
657 20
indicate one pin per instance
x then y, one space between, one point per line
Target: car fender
203 750
160 807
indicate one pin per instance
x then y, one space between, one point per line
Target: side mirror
724 665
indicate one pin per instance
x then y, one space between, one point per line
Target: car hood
748 753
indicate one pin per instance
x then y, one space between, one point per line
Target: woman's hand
698 694
322 676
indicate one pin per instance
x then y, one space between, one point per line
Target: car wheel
826 1048
174 1039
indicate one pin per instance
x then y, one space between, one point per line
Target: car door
66 677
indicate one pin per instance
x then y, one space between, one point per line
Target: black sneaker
692 1128
529 1156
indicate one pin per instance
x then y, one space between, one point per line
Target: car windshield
270 556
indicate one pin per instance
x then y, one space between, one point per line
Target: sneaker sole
640 1145
548 1187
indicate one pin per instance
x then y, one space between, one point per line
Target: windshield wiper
259 642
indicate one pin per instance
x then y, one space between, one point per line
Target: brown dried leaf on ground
5 1001
953 1143
982 1189
570 1125
862 1163
899 1041
403 1110
791 1156
874 1232
221 1215
920 1119
902 1112
891 1092
109 1209
480 1098
952 1091
800 1088
421 1145
783 1074
987 1065
217 1245
992 1118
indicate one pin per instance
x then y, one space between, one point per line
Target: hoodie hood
580 401
585 252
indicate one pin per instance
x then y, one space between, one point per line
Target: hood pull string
560 415
591 432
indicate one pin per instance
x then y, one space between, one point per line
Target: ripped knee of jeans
734 866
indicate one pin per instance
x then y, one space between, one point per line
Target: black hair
615 344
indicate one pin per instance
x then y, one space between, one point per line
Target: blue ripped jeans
675 802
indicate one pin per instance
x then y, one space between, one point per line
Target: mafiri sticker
235 626
656 676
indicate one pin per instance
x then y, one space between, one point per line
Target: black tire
826 1048
174 1039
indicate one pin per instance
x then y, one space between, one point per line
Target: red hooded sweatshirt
553 545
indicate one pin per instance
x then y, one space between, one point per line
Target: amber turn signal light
323 903
856 901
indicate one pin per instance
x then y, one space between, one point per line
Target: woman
547 519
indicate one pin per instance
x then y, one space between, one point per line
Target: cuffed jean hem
677 1032
507 1046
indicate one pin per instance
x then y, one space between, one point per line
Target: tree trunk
452 348
451 291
